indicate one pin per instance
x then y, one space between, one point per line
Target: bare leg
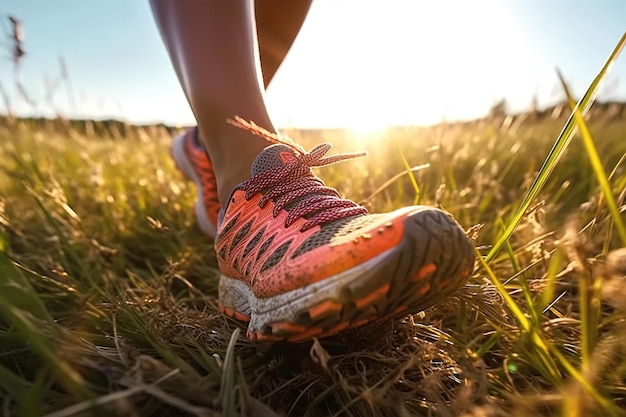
214 48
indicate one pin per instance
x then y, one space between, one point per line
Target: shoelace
295 182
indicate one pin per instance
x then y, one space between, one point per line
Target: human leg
198 34
278 23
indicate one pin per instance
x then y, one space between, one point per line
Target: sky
356 63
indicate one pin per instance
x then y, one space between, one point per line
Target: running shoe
297 261
193 161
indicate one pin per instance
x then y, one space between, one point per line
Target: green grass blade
617 165
535 311
407 167
544 361
16 287
519 316
43 347
391 180
547 296
488 344
589 315
229 378
557 150
596 163
73 260
33 399
587 332
608 405
12 383
509 249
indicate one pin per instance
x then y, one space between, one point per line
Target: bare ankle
232 152
228 180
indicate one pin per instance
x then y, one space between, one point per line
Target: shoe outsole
183 164
433 259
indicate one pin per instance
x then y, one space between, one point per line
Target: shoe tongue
274 156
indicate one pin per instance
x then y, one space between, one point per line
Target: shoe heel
177 152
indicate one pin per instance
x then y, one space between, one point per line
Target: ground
108 290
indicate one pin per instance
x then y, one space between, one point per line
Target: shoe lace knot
293 187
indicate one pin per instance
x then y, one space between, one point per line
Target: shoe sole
433 259
186 168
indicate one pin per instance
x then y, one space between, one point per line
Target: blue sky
356 63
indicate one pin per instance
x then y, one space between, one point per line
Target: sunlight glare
371 64
367 126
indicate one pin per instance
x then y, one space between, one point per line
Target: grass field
108 292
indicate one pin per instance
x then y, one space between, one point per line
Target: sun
364 129
368 127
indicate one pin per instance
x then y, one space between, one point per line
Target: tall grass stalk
409 170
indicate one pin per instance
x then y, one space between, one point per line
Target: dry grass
107 290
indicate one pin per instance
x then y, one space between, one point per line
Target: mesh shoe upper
284 229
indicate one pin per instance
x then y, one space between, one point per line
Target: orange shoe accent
373 296
399 310
359 323
285 327
325 308
234 314
338 328
305 335
465 273
424 289
260 337
424 272
442 285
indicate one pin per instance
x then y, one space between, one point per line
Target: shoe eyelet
232 200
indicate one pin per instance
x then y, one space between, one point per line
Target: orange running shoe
193 161
298 261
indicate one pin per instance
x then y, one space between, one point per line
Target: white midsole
236 295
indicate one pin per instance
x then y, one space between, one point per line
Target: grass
108 292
